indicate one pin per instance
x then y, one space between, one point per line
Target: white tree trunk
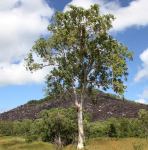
79 106
59 141
80 145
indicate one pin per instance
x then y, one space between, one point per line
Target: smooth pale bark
58 141
80 145
79 106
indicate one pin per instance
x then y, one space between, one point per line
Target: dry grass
115 144
16 143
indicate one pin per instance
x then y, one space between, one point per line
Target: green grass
16 143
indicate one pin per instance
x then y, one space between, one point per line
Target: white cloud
145 93
143 71
21 26
22 22
16 74
132 15
143 101
143 98
80 3
106 6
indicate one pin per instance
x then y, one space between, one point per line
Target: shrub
59 123
6 128
143 122
97 129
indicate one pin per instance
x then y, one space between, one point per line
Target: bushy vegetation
59 126
55 125
46 99
121 127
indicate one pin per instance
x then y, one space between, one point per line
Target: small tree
59 125
83 56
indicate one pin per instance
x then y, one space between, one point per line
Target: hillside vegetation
59 126
100 106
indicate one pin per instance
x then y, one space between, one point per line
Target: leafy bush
97 129
121 127
60 125
6 128
143 122
22 127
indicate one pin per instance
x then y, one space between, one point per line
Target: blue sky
24 21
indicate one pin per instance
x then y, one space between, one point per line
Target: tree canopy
82 52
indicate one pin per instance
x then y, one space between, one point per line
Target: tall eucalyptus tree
83 55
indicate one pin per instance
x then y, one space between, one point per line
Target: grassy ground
16 143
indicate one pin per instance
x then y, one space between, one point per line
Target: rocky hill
103 106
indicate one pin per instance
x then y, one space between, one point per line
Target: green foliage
6 128
81 50
52 124
112 131
143 120
59 123
62 122
22 127
35 102
122 127
125 127
97 129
